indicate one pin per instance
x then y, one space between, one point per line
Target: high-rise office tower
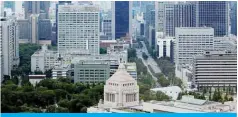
9 45
149 19
45 29
1 8
213 14
121 19
56 16
78 28
34 26
233 17
178 15
191 41
36 7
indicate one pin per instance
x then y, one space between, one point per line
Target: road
150 61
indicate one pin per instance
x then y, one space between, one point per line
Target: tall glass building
121 18
213 14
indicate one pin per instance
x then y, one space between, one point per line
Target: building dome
121 75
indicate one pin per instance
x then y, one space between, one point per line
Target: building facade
9 45
213 14
78 28
45 29
91 72
178 15
121 19
107 28
34 28
215 68
36 7
191 41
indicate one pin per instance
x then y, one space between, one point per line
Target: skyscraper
233 15
149 19
36 7
78 28
34 27
9 45
56 16
121 19
213 14
178 15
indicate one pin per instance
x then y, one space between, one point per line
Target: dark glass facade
233 17
121 18
214 14
142 29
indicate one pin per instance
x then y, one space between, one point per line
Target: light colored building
10 45
215 68
191 41
184 72
78 28
120 90
61 70
171 91
34 34
43 59
225 43
165 46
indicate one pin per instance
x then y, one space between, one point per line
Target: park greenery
103 51
144 56
25 52
50 95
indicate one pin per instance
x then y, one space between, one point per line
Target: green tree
144 56
103 51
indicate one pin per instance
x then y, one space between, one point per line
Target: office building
142 29
215 68
2 9
9 43
213 14
149 19
191 41
152 40
91 71
43 59
78 28
45 29
131 69
225 43
56 16
107 28
233 17
24 33
36 7
178 15
165 46
121 19
34 28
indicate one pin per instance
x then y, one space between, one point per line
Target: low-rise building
91 71
215 68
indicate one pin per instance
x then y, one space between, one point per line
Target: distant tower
121 19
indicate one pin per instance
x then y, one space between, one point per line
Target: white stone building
78 28
120 90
